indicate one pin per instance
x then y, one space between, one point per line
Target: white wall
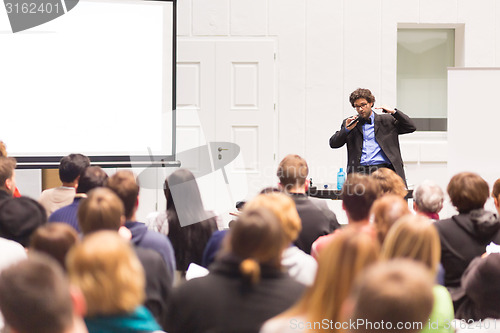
327 48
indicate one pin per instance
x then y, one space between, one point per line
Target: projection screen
98 80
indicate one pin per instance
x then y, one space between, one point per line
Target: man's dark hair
124 184
19 218
361 93
71 166
90 178
358 194
36 296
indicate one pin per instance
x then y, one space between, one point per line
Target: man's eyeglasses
361 106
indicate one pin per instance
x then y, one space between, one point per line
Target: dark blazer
387 130
317 220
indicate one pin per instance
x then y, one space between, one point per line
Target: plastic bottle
340 179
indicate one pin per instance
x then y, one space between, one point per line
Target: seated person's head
428 198
390 182
283 207
292 172
106 269
7 174
36 297
394 293
124 184
184 203
386 211
358 195
3 149
19 218
414 237
496 194
101 210
256 239
71 166
468 191
55 240
91 178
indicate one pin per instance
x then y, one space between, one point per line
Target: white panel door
245 116
196 111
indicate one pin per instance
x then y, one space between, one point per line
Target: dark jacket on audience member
464 237
158 283
142 237
67 214
223 302
317 220
482 290
4 195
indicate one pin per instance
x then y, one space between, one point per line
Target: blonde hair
386 211
101 210
414 237
106 269
283 207
390 182
256 239
348 254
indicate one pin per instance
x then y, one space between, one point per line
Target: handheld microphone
353 122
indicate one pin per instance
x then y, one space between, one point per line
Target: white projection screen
98 80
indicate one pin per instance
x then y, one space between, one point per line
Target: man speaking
372 139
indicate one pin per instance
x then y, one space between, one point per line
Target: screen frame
122 161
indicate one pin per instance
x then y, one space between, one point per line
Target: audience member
186 222
428 199
496 194
415 237
390 182
19 218
358 195
340 263
466 235
393 296
245 286
103 210
386 211
111 278
90 178
299 265
12 252
36 297
55 240
482 290
3 152
124 184
7 177
70 168
317 219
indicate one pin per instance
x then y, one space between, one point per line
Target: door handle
221 149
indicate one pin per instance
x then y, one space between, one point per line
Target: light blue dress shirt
372 154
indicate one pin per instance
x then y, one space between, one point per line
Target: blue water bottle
340 179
